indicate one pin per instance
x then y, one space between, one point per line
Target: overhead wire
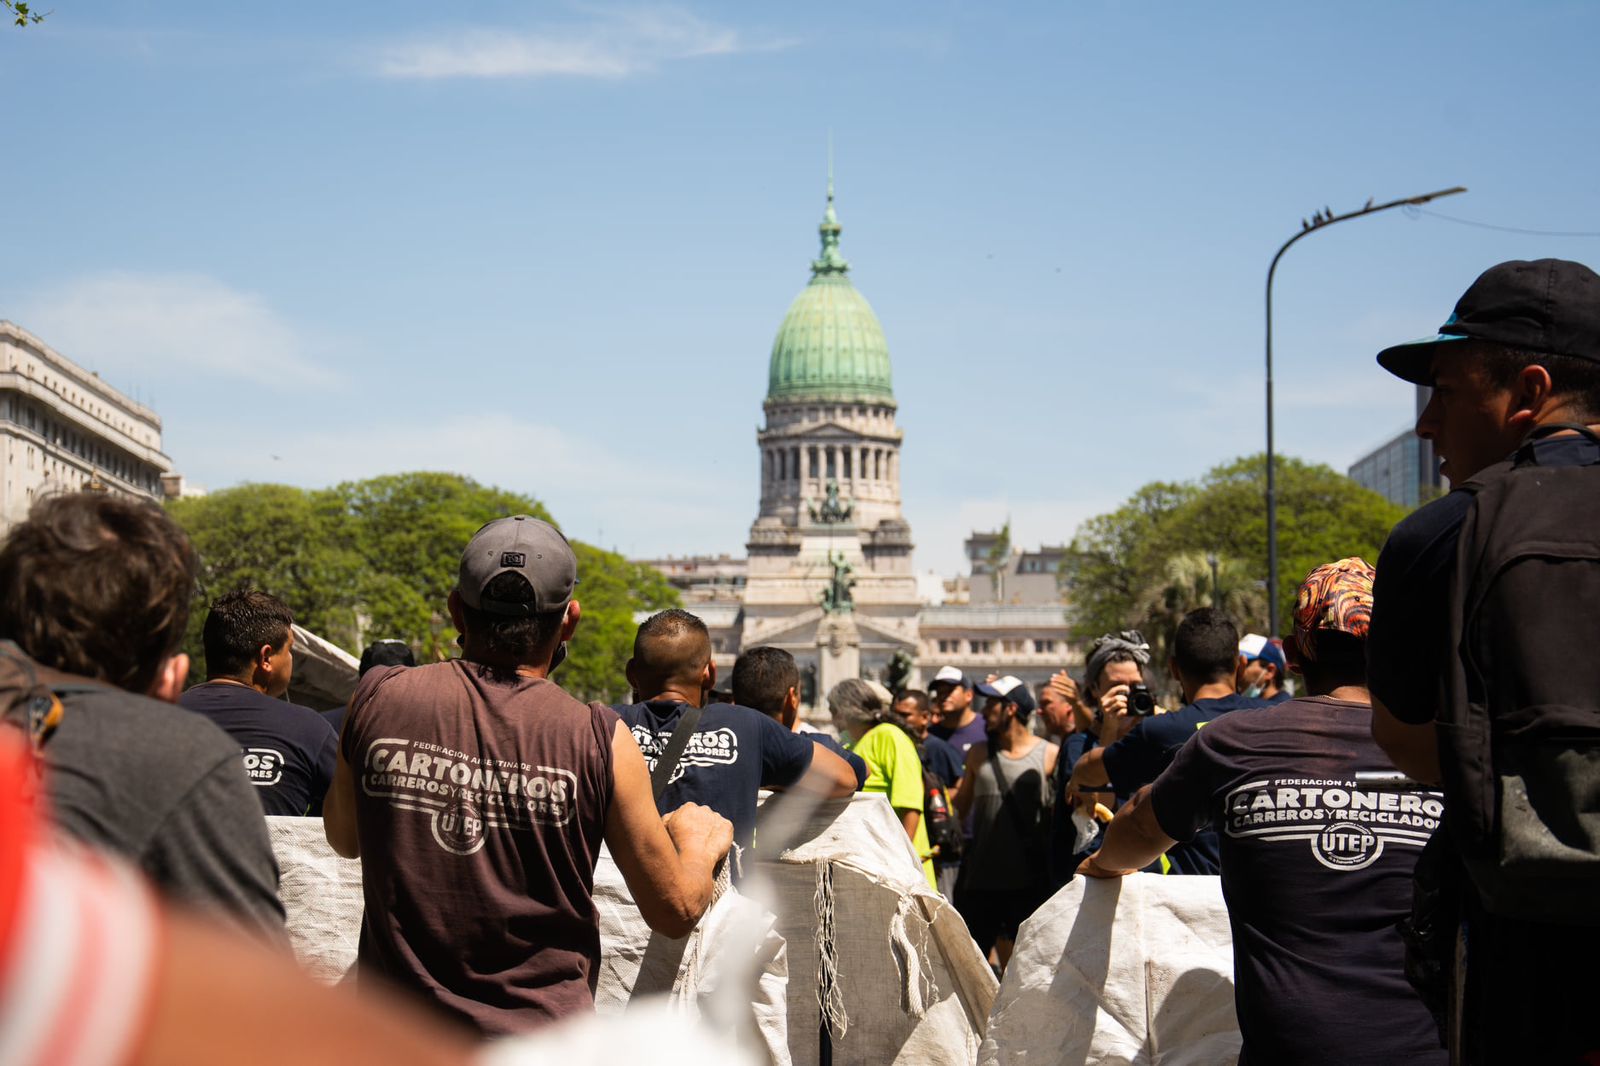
1413 210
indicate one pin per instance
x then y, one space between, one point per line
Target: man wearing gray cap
477 794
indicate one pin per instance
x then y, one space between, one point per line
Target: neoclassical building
63 429
828 575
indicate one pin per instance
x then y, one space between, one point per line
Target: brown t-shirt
481 805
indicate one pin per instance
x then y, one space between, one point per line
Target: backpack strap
674 754
1008 800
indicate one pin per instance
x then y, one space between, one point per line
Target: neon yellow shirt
895 771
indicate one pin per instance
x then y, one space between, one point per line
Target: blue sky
548 245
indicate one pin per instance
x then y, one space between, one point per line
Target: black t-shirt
1316 871
1140 757
289 751
1407 645
734 753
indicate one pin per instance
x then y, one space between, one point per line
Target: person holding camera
1204 662
1114 663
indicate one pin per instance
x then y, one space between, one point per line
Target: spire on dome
830 262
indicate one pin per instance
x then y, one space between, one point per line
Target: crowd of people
1407 831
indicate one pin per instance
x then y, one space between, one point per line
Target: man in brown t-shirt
477 794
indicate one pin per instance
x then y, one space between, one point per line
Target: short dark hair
672 622
512 638
918 697
386 653
1570 377
238 625
1206 647
762 677
98 585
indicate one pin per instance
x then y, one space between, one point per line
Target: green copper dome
830 346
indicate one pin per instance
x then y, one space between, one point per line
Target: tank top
481 806
999 856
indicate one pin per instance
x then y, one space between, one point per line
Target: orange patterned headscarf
1334 596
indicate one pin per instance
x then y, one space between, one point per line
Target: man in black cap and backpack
1483 667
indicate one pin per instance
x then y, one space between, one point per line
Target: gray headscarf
1112 646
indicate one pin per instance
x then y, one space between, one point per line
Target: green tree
1185 583
409 530
1118 558
611 590
377 559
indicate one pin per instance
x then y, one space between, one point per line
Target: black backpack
944 828
1519 729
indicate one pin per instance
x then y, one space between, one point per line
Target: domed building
829 575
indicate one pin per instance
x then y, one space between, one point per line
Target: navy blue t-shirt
289 751
1138 759
734 753
942 758
1407 644
962 739
1316 871
856 762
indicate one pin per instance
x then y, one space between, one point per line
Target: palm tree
1185 583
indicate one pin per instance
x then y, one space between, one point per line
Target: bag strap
674 753
1008 799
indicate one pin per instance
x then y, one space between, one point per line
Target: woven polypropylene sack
1132 970
321 895
875 954
732 970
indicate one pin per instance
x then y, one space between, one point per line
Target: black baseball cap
1549 306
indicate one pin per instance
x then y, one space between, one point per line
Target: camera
1140 702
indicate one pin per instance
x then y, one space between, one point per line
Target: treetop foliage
376 559
1122 565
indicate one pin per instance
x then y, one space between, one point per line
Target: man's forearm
1134 839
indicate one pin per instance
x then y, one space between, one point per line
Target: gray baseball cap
523 545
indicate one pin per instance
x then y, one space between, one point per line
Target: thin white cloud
611 45
155 324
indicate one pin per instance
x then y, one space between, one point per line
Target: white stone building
63 429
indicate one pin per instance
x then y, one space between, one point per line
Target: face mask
559 657
1254 691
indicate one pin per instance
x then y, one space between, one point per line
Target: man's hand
1063 685
698 829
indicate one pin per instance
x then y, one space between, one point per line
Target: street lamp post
1216 593
1321 220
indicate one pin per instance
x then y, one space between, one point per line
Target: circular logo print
459 828
1347 846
